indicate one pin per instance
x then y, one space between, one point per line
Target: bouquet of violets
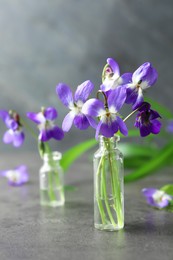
103 115
51 174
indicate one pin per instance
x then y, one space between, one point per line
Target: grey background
46 42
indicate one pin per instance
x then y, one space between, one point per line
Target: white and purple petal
169 127
145 130
91 121
17 176
50 113
116 99
93 107
139 99
56 133
109 129
114 66
107 85
81 122
146 75
45 135
83 91
8 136
156 198
4 114
14 137
11 123
132 94
122 126
68 121
37 118
155 126
126 78
98 130
65 95
18 138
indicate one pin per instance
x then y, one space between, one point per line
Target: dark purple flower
169 127
45 122
157 198
146 120
17 176
75 105
109 122
111 76
144 77
14 134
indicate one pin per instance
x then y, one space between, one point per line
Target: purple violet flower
146 120
14 134
75 105
144 77
109 122
45 122
169 127
17 176
111 76
157 198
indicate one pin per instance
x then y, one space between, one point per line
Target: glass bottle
108 185
51 181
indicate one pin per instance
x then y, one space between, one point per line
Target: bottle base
53 203
108 227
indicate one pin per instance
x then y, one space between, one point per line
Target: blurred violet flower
169 127
17 176
75 105
111 76
157 198
146 120
109 122
14 134
45 122
144 77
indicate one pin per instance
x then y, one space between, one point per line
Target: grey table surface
29 231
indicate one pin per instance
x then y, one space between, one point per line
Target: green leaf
168 189
131 133
153 164
134 162
75 152
132 150
162 110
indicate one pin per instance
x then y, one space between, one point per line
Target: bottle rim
55 155
115 138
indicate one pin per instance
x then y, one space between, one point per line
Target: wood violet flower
76 115
157 198
110 122
144 77
146 120
14 134
45 122
111 76
17 176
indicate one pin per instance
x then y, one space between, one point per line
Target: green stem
51 192
99 202
27 126
115 184
106 197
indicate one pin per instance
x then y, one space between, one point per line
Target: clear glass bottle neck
52 157
109 143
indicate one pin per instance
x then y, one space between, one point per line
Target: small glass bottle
108 185
51 181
